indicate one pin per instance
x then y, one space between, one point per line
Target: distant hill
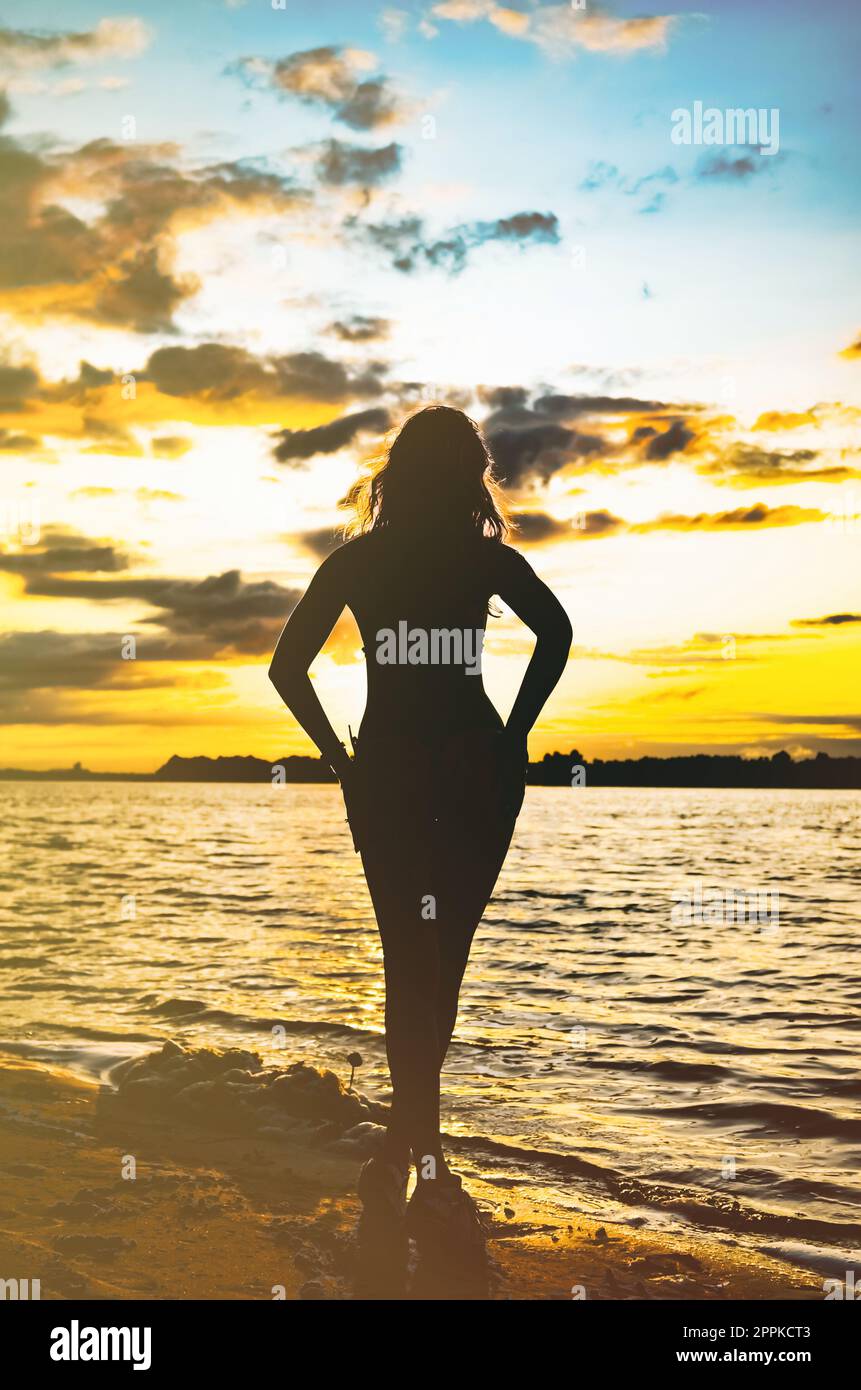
554 770
295 769
177 769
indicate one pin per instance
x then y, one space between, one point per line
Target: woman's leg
430 881
411 959
474 841
397 860
470 884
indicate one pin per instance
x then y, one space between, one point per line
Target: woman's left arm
309 625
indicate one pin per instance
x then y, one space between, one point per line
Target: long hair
435 476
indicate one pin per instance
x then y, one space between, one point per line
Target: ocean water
628 1048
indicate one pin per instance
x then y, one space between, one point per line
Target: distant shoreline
554 770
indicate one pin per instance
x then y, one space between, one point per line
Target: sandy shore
216 1213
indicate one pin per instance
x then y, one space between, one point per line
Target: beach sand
223 1207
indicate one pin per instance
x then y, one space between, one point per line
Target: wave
769 1115
698 1206
196 1011
298 1100
667 1067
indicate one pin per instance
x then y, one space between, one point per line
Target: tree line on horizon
553 770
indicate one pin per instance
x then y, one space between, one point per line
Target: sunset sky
239 242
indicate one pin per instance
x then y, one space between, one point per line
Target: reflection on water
600 1025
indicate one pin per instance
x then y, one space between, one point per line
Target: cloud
740 519
144 296
847 721
736 168
571 406
157 494
592 525
785 419
212 371
743 465
394 24
190 622
673 440
372 104
25 49
170 446
400 240
667 174
340 164
107 437
114 266
831 620
49 677
703 649
319 542
360 328
221 613
16 385
18 443
217 383
539 528
559 30
88 378
221 372
61 550
329 438
405 242
601 175
537 451
31 661
534 438
532 442
330 77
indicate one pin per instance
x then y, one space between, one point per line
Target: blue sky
518 126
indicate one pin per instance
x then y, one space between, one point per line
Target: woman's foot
382 1187
445 1221
383 1247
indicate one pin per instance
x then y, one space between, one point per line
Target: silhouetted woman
437 780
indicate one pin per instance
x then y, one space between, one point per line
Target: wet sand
217 1213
